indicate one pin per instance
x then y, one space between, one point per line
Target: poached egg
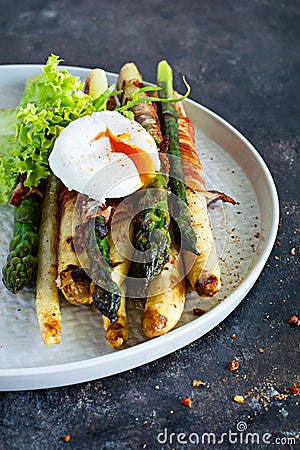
104 155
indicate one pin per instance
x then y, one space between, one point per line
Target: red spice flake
233 365
261 350
295 321
233 336
257 235
278 243
224 380
186 402
294 389
198 312
67 438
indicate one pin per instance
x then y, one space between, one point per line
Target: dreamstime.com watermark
239 436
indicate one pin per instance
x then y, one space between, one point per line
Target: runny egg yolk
105 155
139 157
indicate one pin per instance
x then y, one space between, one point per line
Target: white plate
244 234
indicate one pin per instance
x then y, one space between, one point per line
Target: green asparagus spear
106 295
184 234
151 236
21 265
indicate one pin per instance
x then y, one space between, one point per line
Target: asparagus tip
165 78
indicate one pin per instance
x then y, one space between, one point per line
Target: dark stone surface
242 60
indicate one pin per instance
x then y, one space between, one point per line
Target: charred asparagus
184 234
152 237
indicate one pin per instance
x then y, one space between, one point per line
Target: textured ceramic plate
244 235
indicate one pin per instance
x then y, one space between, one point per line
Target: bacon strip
203 270
21 192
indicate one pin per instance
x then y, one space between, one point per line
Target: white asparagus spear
47 297
204 274
72 278
166 298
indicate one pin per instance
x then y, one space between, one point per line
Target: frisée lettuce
50 102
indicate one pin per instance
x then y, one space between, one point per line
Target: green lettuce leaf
50 102
52 99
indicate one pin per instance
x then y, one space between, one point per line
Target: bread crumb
197 383
233 365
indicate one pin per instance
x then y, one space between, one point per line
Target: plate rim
39 377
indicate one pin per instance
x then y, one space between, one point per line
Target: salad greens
50 102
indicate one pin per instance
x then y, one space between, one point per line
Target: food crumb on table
238 399
233 365
294 321
197 383
294 389
280 397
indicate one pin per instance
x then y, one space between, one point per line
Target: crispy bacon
100 212
191 165
146 115
21 192
64 196
212 196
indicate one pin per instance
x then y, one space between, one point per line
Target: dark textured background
242 61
